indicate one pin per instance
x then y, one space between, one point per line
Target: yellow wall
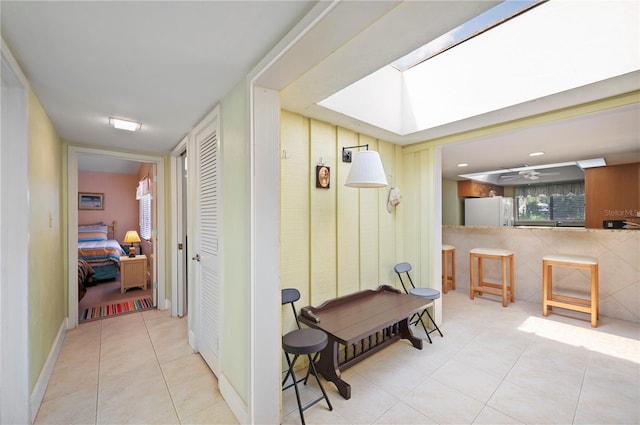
339 240
451 204
47 293
235 163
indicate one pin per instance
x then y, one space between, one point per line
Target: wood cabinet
133 272
611 193
474 189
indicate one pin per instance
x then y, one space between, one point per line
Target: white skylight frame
568 45
486 20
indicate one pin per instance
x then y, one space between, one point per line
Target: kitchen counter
617 251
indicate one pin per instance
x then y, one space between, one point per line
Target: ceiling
166 64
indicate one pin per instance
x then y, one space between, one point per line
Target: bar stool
549 299
448 280
302 342
506 289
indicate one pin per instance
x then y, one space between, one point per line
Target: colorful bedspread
99 253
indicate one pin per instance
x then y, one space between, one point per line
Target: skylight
551 47
483 22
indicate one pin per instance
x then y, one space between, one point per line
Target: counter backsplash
617 250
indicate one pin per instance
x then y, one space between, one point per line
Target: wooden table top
356 316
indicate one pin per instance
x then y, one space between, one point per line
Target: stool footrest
575 307
490 289
559 299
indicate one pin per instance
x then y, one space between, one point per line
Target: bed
97 247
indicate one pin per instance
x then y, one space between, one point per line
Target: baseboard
192 341
234 401
45 375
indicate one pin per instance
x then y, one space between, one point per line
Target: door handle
197 257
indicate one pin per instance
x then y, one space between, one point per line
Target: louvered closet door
208 294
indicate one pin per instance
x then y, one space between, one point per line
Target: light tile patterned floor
494 365
132 369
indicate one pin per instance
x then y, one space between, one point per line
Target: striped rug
124 307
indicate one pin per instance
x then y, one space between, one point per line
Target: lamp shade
131 237
366 171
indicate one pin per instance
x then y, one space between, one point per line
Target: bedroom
111 199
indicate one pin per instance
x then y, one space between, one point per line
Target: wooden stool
549 299
507 291
448 280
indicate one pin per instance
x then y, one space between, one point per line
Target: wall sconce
366 170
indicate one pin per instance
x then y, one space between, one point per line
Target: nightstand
133 272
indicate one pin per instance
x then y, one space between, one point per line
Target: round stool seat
304 341
448 247
428 293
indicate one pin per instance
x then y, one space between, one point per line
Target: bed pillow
89 233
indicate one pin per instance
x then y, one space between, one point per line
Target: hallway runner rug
124 307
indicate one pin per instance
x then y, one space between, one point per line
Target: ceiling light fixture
463 165
596 162
589 163
121 124
536 153
366 170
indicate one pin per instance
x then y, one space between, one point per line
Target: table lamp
132 237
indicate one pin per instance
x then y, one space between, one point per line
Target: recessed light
124 124
463 165
536 153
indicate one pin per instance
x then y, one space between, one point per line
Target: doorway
179 229
72 206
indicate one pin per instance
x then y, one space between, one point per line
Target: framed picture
323 176
90 201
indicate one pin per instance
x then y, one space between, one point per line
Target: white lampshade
366 171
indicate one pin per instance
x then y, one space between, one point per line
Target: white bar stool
549 299
448 279
506 289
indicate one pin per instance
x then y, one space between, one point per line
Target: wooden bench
360 324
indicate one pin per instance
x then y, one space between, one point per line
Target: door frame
159 242
14 249
178 268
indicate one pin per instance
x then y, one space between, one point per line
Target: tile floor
132 369
494 365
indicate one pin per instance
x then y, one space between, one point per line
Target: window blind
145 216
551 202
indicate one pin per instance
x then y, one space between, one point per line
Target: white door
205 235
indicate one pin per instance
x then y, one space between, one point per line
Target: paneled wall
339 240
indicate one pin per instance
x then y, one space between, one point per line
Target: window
145 216
560 204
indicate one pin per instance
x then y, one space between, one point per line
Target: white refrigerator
493 211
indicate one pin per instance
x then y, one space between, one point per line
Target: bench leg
328 367
406 333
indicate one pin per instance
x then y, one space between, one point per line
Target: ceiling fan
527 175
